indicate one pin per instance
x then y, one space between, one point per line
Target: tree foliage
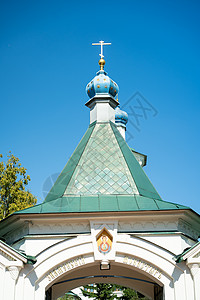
13 181
69 296
129 294
101 291
66 297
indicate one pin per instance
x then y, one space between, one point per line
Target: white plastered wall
102 112
35 280
10 265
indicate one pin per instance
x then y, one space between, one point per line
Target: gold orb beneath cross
101 63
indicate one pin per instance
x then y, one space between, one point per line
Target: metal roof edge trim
179 206
23 256
179 258
58 189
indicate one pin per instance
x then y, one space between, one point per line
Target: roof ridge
144 185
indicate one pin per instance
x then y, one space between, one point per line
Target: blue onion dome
121 117
102 84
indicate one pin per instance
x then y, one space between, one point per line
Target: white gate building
102 221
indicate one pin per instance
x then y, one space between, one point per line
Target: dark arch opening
118 273
158 290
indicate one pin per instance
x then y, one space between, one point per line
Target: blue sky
46 60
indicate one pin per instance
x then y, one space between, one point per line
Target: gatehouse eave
185 222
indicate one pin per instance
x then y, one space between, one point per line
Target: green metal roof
143 183
101 203
30 259
102 175
63 180
179 257
102 168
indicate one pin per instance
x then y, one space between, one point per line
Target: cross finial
101 43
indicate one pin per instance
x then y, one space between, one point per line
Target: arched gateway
103 221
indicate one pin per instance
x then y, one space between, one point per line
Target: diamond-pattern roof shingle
102 168
102 175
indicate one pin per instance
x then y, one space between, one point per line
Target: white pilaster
195 271
122 130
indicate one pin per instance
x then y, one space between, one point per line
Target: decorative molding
60 228
194 268
197 255
147 226
14 272
10 257
100 225
180 225
193 254
6 255
17 233
187 228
